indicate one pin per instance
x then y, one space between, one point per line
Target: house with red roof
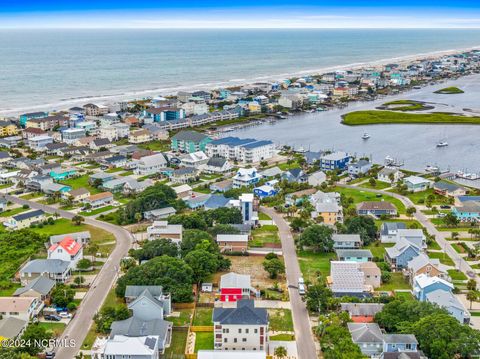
68 250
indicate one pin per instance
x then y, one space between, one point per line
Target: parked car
445 206
53 317
65 315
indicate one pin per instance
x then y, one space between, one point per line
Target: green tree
411 211
317 237
223 229
362 225
79 280
108 315
451 220
372 182
189 221
78 220
62 295
274 267
84 264
138 217
280 352
32 334
193 237
203 264
472 296
225 215
155 248
472 284
297 224
318 298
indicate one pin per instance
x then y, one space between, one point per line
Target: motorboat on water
442 144
365 136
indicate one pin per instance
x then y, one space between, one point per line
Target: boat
442 144
365 136
432 169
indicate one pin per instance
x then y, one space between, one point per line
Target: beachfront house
243 150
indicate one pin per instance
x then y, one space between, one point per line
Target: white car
65 315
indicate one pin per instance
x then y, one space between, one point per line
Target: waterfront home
317 178
389 175
221 186
295 175
55 269
362 312
24 118
38 143
189 141
39 288
99 200
243 150
232 242
354 255
291 101
368 337
264 191
346 241
424 284
359 168
12 328
389 230
234 287
139 136
244 327
92 109
449 189
468 212
23 308
346 278
149 165
312 157
335 161
184 175
217 165
49 123
422 264
162 229
376 209
447 300
402 343
24 220
401 253
160 213
68 250
417 184
245 177
195 159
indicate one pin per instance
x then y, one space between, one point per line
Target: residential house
99 143
183 191
335 161
449 189
368 337
346 241
189 141
161 229
359 168
354 255
295 175
148 304
265 191
162 114
118 161
24 118
23 308
327 205
247 150
68 250
317 178
139 136
184 175
372 274
242 328
8 129
447 300
401 253
362 312
100 178
346 278
92 109
77 195
221 186
40 288
149 165
245 177
132 186
121 346
468 212
417 184
232 242
389 230
217 165
160 213
424 284
271 172
38 143
51 189
81 237
55 269
216 201
71 135
24 220
414 236
99 200
11 328
194 159
402 343
234 287
377 209
389 175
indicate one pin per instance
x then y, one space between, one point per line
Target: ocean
56 69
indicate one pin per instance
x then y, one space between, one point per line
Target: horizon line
237 28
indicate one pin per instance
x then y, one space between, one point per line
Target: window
225 340
240 330
255 330
408 346
246 331
234 340
244 340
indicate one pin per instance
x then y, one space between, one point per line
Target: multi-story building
242 328
335 161
245 177
189 141
48 123
24 118
71 135
38 143
92 109
8 129
148 165
246 150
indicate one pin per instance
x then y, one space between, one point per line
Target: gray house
346 241
40 287
359 168
367 336
145 298
401 253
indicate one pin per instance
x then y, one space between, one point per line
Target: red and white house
68 250
234 287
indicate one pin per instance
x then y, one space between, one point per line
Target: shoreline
166 91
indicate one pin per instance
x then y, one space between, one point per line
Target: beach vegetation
452 90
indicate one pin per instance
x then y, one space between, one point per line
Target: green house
189 141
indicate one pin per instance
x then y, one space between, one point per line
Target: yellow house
7 129
254 107
139 136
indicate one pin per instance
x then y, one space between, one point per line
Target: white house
346 277
194 159
246 150
24 220
68 250
386 173
417 184
23 308
245 177
150 164
121 347
161 229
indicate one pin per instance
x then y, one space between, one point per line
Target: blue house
335 161
295 175
162 114
451 303
393 343
30 116
354 255
62 174
401 253
216 201
423 284
264 191
468 212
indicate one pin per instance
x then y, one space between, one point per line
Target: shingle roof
244 314
135 327
216 162
391 226
26 215
137 290
45 266
400 338
11 327
354 253
192 136
371 206
42 285
365 332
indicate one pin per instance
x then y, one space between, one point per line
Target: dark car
53 317
444 206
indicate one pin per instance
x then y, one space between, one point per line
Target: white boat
365 136
442 144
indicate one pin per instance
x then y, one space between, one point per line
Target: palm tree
472 296
280 352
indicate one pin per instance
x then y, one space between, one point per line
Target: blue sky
239 14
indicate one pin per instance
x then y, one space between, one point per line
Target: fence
202 328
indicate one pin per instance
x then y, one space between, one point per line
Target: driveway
306 348
78 328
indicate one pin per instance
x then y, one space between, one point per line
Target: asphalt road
440 237
78 328
303 331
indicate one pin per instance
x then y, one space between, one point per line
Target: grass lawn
13 212
359 195
456 275
458 248
475 314
203 341
203 316
373 117
396 282
90 338
9 291
312 264
404 295
126 173
416 197
81 182
288 166
378 185
282 337
96 211
157 145
280 320
444 258
439 223
434 245
32 195
114 170
183 319
378 249
452 90
263 235
264 217
177 346
55 328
